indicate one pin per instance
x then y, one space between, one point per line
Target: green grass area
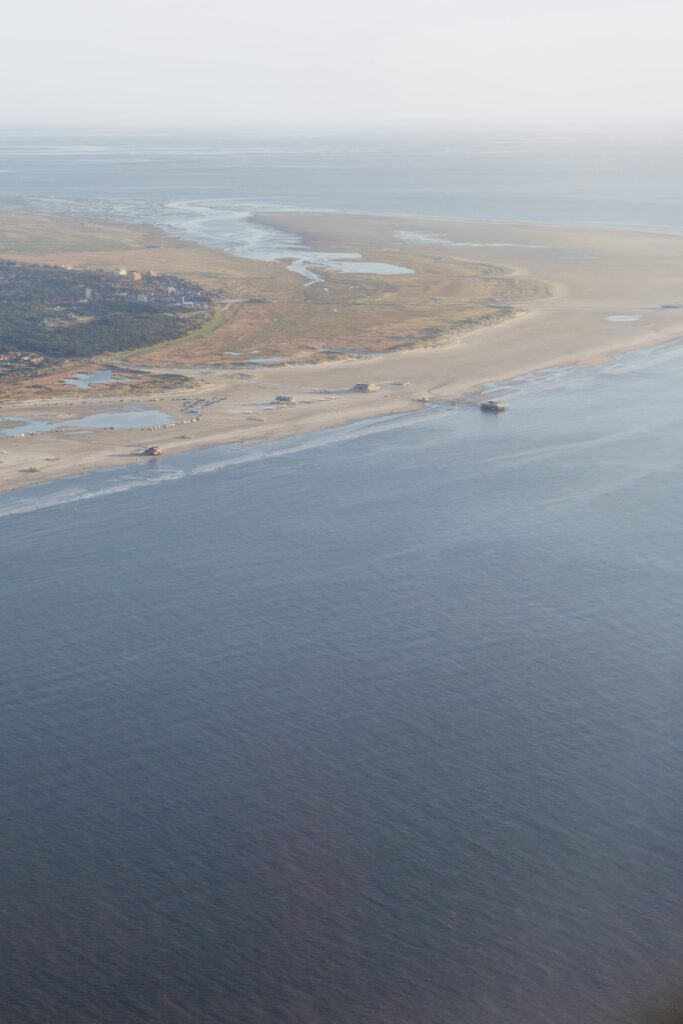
220 317
216 321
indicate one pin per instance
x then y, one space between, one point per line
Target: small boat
493 406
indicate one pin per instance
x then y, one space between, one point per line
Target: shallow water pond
130 419
84 380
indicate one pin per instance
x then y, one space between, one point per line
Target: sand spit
592 275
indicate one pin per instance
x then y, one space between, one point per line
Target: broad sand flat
595 274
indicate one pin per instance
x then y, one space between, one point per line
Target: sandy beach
599 292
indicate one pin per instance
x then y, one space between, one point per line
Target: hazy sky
353 62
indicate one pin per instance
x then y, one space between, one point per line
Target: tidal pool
84 380
130 419
374 268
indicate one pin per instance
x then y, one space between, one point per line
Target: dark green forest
63 313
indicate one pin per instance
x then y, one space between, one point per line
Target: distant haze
358 63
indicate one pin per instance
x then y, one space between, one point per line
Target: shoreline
593 276
98 461
470 399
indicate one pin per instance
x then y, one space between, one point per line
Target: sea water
380 725
205 186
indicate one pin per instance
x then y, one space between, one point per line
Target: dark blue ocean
376 726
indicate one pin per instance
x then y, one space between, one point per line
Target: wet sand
594 275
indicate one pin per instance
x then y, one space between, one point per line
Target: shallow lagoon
85 380
128 419
384 269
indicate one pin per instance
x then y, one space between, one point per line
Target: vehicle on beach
493 406
152 450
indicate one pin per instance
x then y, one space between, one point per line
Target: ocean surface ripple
378 726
